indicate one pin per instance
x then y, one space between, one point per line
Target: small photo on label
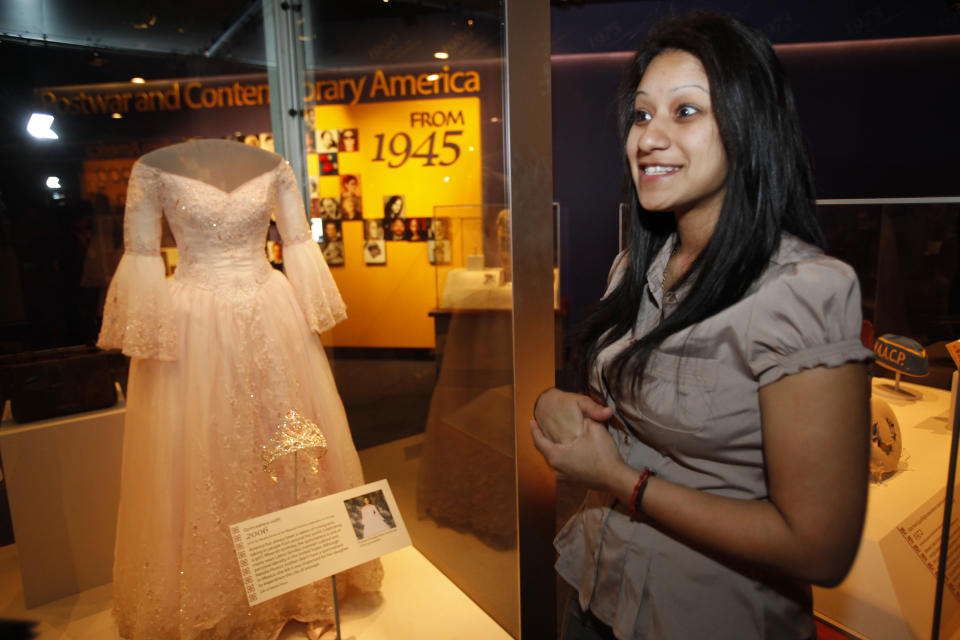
370 515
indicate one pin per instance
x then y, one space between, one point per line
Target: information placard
287 549
911 552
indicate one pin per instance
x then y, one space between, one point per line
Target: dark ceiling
67 42
344 31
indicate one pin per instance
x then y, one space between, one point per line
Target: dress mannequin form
223 164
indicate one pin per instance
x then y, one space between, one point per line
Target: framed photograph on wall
374 252
438 251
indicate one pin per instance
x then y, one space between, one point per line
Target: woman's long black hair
769 190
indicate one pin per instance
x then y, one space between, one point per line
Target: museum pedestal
63 482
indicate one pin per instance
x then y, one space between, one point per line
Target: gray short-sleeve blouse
697 423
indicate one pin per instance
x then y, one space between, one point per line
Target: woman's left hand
591 460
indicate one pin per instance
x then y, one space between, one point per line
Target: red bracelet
638 490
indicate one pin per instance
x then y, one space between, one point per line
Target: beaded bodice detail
220 234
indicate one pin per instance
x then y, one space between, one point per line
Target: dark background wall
877 116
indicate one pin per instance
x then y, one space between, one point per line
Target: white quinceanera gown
372 520
220 353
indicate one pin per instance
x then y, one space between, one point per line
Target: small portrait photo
396 229
373 229
349 140
315 211
438 251
333 253
330 208
350 207
327 141
266 141
417 229
393 207
328 164
311 142
350 184
332 231
369 515
439 229
374 252
314 186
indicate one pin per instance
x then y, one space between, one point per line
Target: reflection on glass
907 257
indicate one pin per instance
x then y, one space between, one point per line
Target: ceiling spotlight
137 80
116 116
441 55
39 126
53 182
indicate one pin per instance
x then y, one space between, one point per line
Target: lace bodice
220 233
220 238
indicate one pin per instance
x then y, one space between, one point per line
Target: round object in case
885 440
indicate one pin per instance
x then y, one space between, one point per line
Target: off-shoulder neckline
229 192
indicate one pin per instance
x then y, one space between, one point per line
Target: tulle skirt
192 465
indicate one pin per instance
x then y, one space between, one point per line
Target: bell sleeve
138 316
806 316
307 271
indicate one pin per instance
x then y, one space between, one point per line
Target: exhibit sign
293 547
427 152
378 172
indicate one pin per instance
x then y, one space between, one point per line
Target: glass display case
386 117
905 256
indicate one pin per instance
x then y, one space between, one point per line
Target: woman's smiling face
674 147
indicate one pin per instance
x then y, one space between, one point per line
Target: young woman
392 207
723 425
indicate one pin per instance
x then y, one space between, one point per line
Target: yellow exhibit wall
427 151
387 305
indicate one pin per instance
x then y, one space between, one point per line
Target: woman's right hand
562 416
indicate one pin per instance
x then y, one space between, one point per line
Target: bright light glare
138 80
441 55
53 182
433 76
39 126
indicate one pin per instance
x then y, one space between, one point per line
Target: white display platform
481 289
63 482
415 601
888 594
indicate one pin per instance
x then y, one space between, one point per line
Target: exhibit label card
911 552
287 549
923 529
